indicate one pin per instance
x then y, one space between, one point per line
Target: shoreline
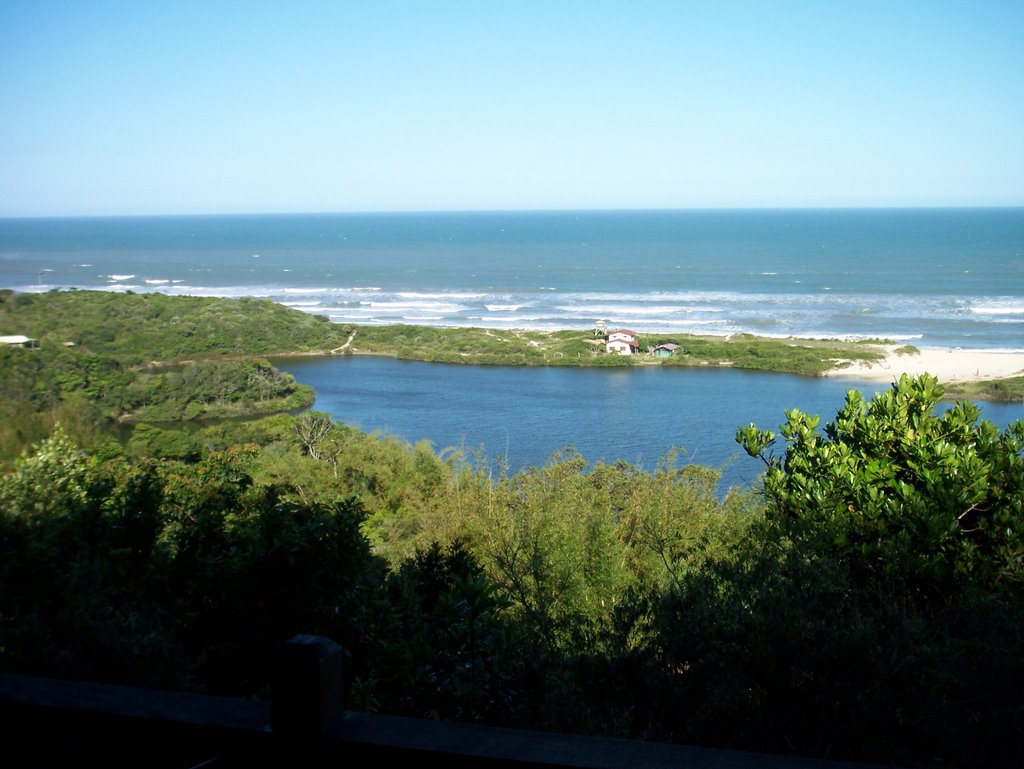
950 365
835 356
958 369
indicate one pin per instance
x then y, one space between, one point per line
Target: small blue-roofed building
666 350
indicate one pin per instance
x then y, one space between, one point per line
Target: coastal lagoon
523 416
928 277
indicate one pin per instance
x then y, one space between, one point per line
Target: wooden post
307 688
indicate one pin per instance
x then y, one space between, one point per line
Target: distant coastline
979 373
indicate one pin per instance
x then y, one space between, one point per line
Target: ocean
935 277
930 277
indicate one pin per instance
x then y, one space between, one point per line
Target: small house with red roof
622 342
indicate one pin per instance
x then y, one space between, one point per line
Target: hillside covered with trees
865 602
106 358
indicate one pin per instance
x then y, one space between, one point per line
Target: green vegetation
865 604
486 346
1004 390
97 361
139 328
886 582
213 389
811 357
151 573
577 348
108 358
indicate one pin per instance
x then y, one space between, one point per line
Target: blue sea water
932 277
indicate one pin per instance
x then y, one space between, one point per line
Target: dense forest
864 602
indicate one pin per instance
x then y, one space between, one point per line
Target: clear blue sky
229 107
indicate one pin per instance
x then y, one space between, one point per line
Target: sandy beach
947 364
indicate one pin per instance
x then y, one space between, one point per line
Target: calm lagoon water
528 414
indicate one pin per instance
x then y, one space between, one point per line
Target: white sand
946 364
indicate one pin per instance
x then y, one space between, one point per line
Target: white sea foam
679 322
504 307
231 292
507 318
625 309
334 291
854 337
156 281
440 295
120 277
429 306
334 308
509 323
640 322
301 304
371 321
367 310
997 310
686 298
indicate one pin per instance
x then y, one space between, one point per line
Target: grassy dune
811 357
135 329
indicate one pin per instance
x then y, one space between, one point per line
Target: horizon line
485 211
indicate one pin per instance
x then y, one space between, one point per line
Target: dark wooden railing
48 722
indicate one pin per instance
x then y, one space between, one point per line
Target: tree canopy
864 602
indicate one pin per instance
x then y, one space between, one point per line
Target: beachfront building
621 342
19 341
666 350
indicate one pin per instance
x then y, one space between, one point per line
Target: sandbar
947 364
